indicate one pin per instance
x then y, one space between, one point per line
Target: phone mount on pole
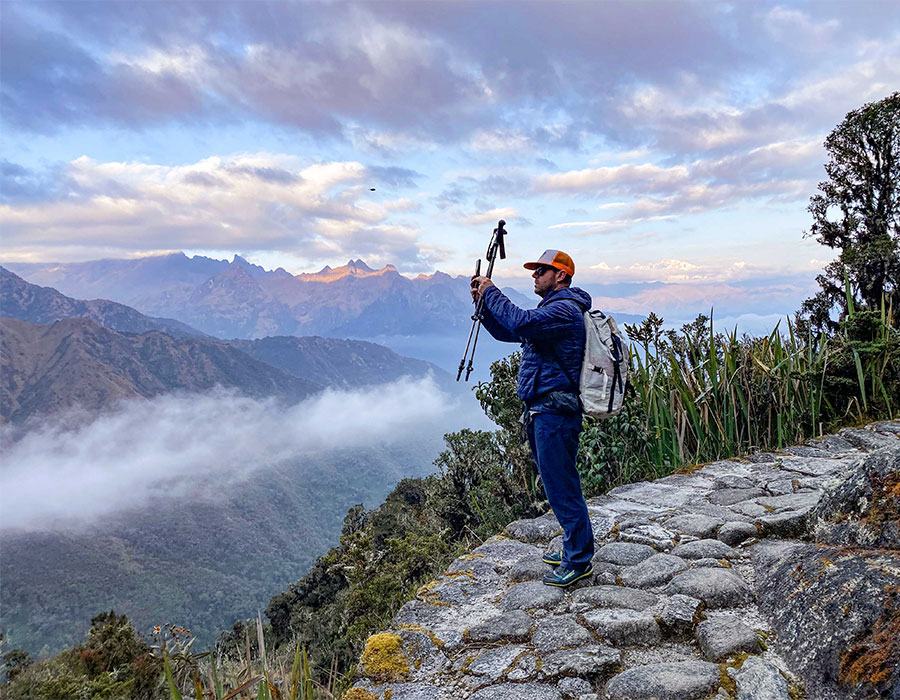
496 245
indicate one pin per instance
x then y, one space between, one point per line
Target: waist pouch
562 402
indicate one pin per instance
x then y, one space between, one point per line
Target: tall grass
710 396
258 676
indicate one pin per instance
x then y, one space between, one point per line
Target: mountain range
427 317
78 362
58 352
240 300
30 302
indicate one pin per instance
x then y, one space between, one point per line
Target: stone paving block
652 493
759 680
624 553
408 691
704 549
419 645
531 594
717 588
574 688
833 444
790 523
685 680
734 481
479 568
805 451
722 513
604 573
680 615
584 662
517 691
554 633
735 532
534 530
890 427
811 466
754 510
503 553
494 661
513 626
710 563
654 571
529 568
780 487
728 497
867 440
622 627
791 501
612 597
719 639
457 588
601 526
702 526
525 668
655 536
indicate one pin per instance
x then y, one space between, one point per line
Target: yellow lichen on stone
726 682
691 468
383 658
467 557
439 643
462 572
359 694
427 595
426 589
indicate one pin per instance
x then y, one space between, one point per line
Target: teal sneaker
553 558
563 577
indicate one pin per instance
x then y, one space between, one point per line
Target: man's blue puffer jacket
552 337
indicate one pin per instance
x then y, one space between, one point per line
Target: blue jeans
553 439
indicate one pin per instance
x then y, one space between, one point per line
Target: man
552 338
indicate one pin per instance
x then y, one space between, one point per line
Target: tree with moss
857 212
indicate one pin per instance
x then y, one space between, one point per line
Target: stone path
671 612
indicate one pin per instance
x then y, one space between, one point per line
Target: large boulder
836 614
864 509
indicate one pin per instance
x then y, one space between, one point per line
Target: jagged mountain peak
358 264
353 268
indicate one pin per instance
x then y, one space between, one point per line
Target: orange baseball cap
554 258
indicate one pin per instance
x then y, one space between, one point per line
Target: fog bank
55 475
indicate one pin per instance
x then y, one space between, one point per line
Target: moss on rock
383 658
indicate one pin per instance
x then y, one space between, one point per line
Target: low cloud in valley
180 445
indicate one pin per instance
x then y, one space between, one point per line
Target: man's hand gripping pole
496 245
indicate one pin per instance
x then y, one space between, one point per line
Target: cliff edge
771 577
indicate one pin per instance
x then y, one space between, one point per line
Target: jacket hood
576 294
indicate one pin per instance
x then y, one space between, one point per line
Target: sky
670 147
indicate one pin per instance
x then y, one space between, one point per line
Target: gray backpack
605 366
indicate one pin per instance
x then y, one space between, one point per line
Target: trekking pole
496 245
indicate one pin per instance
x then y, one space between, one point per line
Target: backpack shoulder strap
575 384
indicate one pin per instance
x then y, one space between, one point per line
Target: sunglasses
541 270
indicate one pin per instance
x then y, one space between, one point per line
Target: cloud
781 170
491 216
686 300
674 271
167 446
395 76
243 202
